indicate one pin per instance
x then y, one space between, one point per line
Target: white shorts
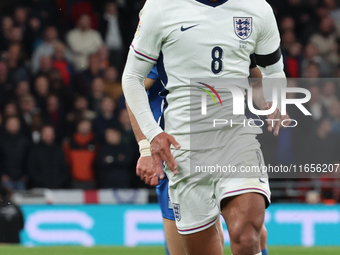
196 196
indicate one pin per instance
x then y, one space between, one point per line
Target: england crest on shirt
243 27
177 211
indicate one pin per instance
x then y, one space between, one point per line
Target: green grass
69 250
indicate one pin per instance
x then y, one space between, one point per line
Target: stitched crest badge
243 27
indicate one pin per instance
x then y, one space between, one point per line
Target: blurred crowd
63 118
310 40
310 43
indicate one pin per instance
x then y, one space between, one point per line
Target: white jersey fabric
200 39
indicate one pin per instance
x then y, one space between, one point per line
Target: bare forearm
256 84
148 83
258 96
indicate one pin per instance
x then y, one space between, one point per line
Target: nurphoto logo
279 98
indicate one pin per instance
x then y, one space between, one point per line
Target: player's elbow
274 71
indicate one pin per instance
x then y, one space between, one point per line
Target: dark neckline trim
208 2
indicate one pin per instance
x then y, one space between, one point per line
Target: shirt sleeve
269 37
149 35
136 69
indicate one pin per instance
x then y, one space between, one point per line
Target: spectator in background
326 42
16 37
20 18
34 34
287 24
11 219
105 119
81 7
6 24
46 10
128 135
113 161
46 162
286 148
13 152
334 112
5 32
22 90
328 197
45 66
36 31
301 12
60 63
328 96
110 30
322 12
97 94
103 55
41 91
128 138
36 126
16 71
313 197
27 109
53 115
86 77
10 110
80 151
312 71
311 56
288 40
83 41
334 13
293 61
113 88
45 49
80 112
321 146
63 92
52 110
6 88
125 121
315 105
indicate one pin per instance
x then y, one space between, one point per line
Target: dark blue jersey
155 99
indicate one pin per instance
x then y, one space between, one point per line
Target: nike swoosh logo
261 181
186 28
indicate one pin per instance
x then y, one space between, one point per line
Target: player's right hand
145 171
275 127
160 150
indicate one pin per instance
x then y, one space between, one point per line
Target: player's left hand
278 117
144 170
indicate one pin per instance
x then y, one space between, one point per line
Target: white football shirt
200 40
